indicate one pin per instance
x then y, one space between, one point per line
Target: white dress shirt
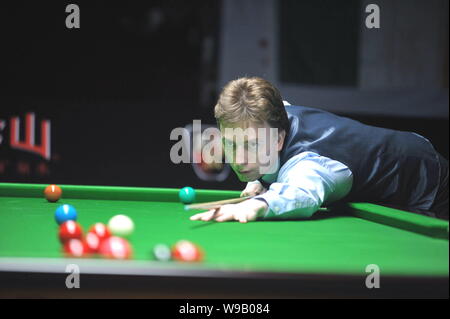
305 182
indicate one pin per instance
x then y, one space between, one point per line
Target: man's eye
253 145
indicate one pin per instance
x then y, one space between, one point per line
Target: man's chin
247 178
243 179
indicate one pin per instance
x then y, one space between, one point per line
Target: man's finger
224 217
200 215
242 219
250 193
208 215
196 216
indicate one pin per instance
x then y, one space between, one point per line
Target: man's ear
281 137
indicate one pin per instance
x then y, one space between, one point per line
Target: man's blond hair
251 99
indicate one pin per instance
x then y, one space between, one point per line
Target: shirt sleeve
304 183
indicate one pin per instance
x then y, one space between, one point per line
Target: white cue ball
121 225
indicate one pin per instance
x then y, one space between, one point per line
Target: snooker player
322 159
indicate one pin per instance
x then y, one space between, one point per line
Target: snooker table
325 256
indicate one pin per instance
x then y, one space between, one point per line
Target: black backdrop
114 89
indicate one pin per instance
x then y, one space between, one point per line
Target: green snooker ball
187 195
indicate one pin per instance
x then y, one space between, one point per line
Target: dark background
115 88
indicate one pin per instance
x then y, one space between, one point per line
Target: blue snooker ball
64 213
187 195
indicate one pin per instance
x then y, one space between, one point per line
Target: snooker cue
216 204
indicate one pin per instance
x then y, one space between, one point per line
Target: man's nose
241 156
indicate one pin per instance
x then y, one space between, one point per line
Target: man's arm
304 183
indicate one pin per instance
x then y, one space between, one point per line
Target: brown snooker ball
52 193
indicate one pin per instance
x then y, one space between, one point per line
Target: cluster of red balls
98 240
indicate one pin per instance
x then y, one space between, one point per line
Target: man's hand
253 189
248 210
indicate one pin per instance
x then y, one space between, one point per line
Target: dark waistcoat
388 166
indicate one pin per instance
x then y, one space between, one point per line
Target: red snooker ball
101 230
116 248
52 193
92 242
76 248
187 251
70 230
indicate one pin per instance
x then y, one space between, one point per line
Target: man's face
251 148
